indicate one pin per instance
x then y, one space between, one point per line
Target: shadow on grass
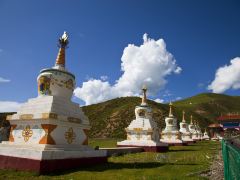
115 166
179 150
111 166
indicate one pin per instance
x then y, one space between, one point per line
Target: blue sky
201 35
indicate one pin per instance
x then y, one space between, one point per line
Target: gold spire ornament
144 97
62 43
183 117
191 120
170 109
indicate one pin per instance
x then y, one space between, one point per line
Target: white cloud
3 80
227 77
104 78
200 85
167 93
159 100
178 98
147 64
9 106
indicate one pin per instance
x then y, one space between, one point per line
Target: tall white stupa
185 133
171 134
49 132
143 131
205 135
192 129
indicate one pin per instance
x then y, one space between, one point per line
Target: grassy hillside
108 119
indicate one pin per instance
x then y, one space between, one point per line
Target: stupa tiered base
48 158
174 142
205 138
147 146
172 139
188 140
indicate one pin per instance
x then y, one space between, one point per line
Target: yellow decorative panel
26 116
74 120
9 117
49 116
70 135
137 129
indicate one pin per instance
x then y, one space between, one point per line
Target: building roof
214 125
231 117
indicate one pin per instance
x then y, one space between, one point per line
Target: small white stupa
143 131
192 129
50 132
171 134
205 135
185 133
199 131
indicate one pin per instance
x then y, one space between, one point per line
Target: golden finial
183 116
170 109
62 43
144 97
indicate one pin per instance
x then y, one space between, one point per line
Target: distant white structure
199 131
193 131
143 131
171 134
184 130
50 132
205 135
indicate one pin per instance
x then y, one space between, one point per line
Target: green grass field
181 162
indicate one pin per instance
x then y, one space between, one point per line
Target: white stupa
193 131
49 132
205 135
199 131
185 133
171 134
143 131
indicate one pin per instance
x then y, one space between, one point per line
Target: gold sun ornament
27 133
70 135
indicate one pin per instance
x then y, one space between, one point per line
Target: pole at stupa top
183 117
170 109
191 120
144 97
62 43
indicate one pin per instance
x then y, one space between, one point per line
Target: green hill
110 118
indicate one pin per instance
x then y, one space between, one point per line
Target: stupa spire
191 119
183 117
62 43
144 97
170 109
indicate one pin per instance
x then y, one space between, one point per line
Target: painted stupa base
174 142
206 138
186 137
48 158
196 139
172 138
42 144
147 146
